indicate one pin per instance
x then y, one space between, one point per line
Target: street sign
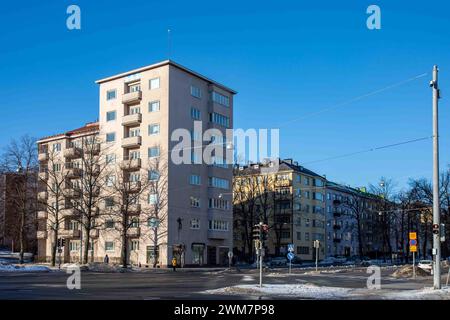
413 248
290 256
316 244
230 254
413 236
291 247
413 242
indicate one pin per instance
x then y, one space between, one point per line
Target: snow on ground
23 268
310 291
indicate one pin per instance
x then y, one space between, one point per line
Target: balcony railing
41 234
43 156
132 119
72 152
94 233
134 186
43 174
132 97
70 233
73 172
134 209
42 215
130 142
220 235
134 232
130 164
43 195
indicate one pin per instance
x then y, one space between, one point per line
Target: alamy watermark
373 22
74 280
73 21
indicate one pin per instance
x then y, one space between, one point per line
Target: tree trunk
54 246
124 256
360 242
21 235
155 246
86 245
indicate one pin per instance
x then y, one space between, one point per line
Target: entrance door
212 253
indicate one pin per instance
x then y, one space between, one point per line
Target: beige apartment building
139 111
293 199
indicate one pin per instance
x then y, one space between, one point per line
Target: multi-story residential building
291 200
139 112
347 208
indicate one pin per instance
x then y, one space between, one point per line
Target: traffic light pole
436 209
261 248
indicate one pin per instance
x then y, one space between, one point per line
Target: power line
369 150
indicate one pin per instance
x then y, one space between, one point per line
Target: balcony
336 227
134 232
43 156
132 119
130 164
43 175
72 152
218 235
134 209
42 196
70 233
336 214
336 202
337 240
134 186
132 97
73 193
41 234
131 142
93 148
42 215
283 183
73 172
93 233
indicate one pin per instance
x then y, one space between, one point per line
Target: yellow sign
413 248
412 235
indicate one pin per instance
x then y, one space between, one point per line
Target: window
111 94
152 198
219 162
153 152
220 99
195 113
134 132
110 158
306 181
195 223
285 234
109 202
218 225
317 209
318 183
153 106
110 116
57 147
134 222
134 154
196 92
135 87
318 196
111 137
219 183
299 236
134 245
109 246
220 204
153 129
74 245
57 167
135 110
307 194
154 83
195 202
195 179
302 250
109 224
110 180
153 175
219 119
306 236
134 177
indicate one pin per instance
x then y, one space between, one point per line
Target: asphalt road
177 285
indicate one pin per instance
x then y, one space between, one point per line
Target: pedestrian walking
174 264
106 259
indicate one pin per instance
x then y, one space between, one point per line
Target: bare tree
356 210
20 157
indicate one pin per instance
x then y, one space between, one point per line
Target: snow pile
22 268
104 267
407 272
424 294
306 291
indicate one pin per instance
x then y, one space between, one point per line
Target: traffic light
61 242
256 232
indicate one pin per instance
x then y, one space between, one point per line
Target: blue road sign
291 247
413 242
290 256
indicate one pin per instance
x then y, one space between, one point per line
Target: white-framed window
153 152
111 116
134 245
111 137
135 177
195 113
196 92
153 83
110 180
134 132
221 204
153 198
153 106
153 175
153 129
57 167
218 225
74 245
220 99
195 202
134 222
135 87
195 223
109 246
219 183
135 110
111 94
57 147
134 154
195 179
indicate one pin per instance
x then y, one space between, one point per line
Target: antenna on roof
168 44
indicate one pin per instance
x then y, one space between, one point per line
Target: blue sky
287 60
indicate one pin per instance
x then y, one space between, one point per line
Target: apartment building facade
138 113
346 208
295 213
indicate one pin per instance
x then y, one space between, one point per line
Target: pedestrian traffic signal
61 242
256 232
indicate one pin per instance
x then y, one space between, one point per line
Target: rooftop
89 127
164 63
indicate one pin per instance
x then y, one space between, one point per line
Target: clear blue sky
287 59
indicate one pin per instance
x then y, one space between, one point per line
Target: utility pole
436 210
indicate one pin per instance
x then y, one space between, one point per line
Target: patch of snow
23 268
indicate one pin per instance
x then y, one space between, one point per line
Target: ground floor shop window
198 250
